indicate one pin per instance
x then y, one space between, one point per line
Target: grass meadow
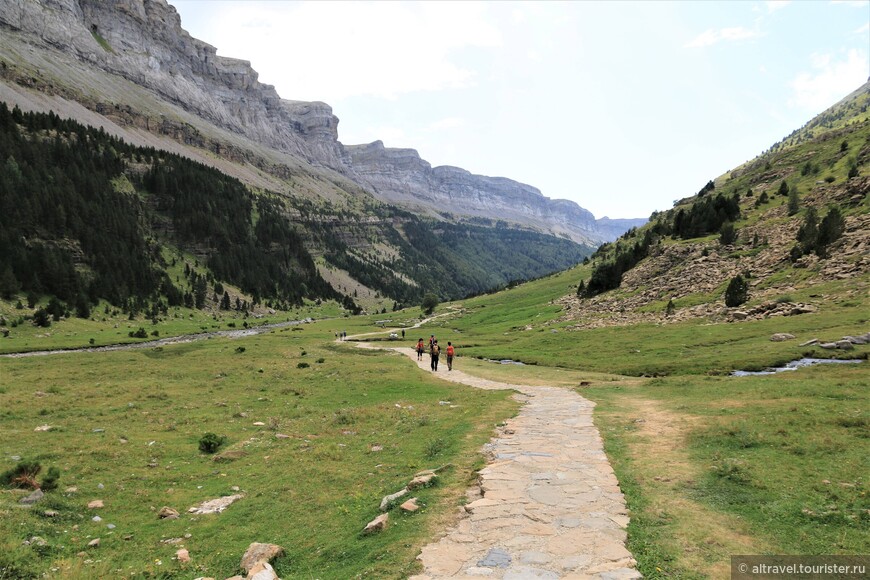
711 465
125 428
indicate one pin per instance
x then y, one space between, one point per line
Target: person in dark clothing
434 352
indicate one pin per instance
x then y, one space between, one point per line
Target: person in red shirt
420 349
450 352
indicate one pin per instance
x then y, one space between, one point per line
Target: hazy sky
622 107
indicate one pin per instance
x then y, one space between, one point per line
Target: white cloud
831 80
852 3
381 49
446 123
711 36
863 29
774 5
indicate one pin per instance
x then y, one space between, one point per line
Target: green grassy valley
314 432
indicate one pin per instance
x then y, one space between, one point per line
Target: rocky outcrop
401 176
131 62
142 41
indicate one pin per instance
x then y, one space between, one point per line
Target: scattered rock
410 505
234 488
171 541
809 342
828 345
33 497
281 436
51 513
378 524
96 519
94 504
259 424
422 479
35 541
182 556
739 315
94 543
167 513
845 345
860 339
72 489
388 500
781 336
258 553
262 571
44 428
376 448
215 506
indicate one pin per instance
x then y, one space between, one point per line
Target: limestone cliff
401 176
131 62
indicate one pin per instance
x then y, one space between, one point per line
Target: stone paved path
549 505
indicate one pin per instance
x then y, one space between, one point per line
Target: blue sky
622 107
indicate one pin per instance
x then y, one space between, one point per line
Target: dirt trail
549 505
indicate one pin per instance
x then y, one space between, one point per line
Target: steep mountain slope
131 62
793 220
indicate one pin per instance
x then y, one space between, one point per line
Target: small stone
258 553
98 430
281 436
378 524
376 448
739 315
94 543
262 571
258 424
422 480
33 497
168 513
234 488
44 428
111 526
35 541
72 489
389 499
96 519
781 336
97 503
182 556
51 513
845 345
410 505
809 342
100 486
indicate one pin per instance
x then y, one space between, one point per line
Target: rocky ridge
81 49
702 268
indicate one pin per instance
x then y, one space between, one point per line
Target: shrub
49 482
141 333
302 365
727 234
210 442
22 475
430 302
737 292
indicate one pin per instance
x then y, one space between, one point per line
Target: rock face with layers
401 176
142 41
82 49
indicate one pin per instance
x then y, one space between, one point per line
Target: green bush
49 482
210 442
737 292
22 475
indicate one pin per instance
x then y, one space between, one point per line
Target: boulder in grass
262 571
379 524
410 505
422 479
781 336
259 553
94 504
182 556
389 500
167 513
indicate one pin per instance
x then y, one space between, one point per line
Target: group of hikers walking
435 353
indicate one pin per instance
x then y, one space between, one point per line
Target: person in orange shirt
420 349
450 352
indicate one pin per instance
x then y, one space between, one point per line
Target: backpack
436 349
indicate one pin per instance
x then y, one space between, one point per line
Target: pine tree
737 292
793 201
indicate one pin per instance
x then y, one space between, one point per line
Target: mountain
785 234
130 62
128 69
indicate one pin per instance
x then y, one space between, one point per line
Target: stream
182 339
795 365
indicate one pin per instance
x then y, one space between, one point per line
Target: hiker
403 334
420 349
450 352
431 341
434 351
